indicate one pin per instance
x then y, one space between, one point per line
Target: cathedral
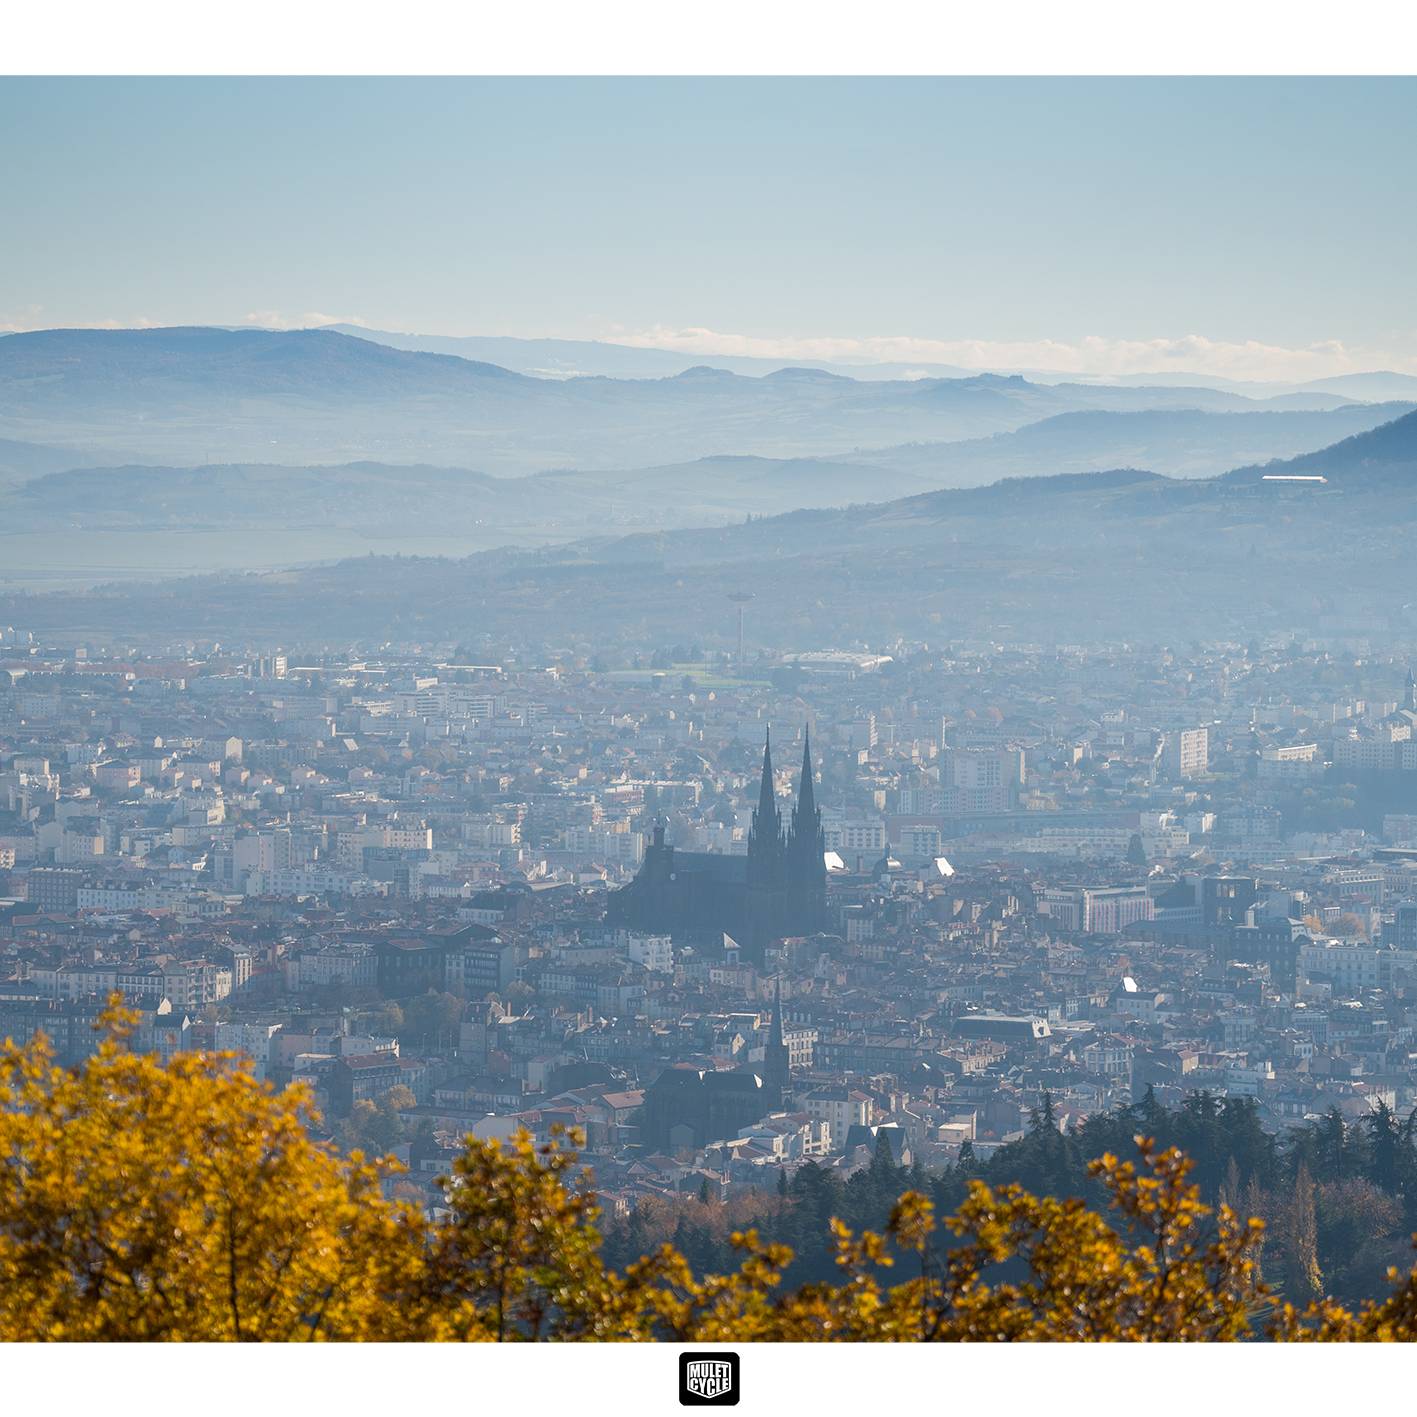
778 889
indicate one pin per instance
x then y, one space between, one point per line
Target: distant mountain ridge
401 502
1376 384
196 395
1124 553
566 358
20 461
54 363
1385 456
1177 442
263 512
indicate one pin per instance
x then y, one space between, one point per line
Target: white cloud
1094 356
311 319
30 318
14 322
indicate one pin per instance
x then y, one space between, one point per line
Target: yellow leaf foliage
189 1201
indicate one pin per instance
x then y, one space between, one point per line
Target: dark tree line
1339 1198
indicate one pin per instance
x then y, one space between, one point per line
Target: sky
1251 228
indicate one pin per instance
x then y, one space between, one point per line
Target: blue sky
1253 227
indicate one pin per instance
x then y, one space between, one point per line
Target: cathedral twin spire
781 893
773 842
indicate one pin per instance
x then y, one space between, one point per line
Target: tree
385 1019
145 1202
1360 1236
883 1163
1339 1150
521 1251
1390 1149
1087 1281
430 1018
376 1127
1303 1279
189 1201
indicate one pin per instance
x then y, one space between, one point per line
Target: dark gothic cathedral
777 889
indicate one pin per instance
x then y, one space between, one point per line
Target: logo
708 1379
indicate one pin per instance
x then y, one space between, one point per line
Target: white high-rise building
1185 753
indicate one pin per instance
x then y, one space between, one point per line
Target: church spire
777 1061
806 793
806 845
804 838
767 796
766 828
765 835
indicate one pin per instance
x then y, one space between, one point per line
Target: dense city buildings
475 887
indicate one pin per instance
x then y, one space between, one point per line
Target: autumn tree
384 1018
1167 1269
430 1019
189 1201
376 1127
142 1201
1303 1278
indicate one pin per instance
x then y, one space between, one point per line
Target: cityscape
676 826
727 918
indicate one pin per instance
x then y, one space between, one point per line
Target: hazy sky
1253 227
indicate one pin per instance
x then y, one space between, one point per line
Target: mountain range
193 396
98 519
565 358
83 500
570 358
1070 558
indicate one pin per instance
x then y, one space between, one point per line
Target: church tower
777 1064
766 864
806 855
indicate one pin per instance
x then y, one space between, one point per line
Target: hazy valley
149 453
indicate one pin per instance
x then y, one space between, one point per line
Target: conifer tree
1303 1279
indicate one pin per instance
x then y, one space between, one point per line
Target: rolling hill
1177 442
1071 558
20 461
1382 458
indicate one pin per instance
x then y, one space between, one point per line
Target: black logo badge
708 1379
